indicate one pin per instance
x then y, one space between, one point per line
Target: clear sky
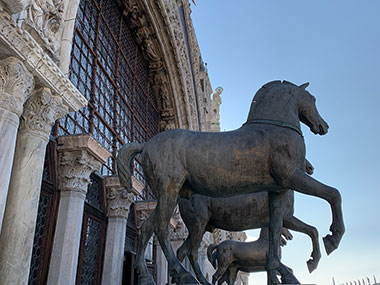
334 45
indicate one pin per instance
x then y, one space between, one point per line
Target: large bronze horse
266 154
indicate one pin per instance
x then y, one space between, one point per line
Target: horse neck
277 108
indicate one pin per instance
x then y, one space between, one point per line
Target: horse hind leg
295 224
305 184
144 277
166 203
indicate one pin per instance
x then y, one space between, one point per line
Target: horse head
308 112
286 104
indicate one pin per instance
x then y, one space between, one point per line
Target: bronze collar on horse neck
275 123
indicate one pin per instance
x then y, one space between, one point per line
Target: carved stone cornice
16 84
143 210
83 142
178 234
171 16
75 168
19 42
15 6
118 198
41 110
44 20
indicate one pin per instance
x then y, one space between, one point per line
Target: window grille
109 69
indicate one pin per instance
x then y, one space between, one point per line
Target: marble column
244 277
79 156
118 203
41 110
16 84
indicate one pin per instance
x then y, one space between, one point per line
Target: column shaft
16 240
79 156
114 253
16 84
67 239
118 202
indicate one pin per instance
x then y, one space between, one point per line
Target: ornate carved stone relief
20 42
159 79
118 198
41 110
16 84
176 28
143 210
44 20
75 168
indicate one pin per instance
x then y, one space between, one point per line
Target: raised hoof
146 280
330 244
311 265
289 279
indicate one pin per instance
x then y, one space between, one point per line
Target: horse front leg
295 224
301 182
276 213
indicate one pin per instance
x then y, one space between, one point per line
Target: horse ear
304 85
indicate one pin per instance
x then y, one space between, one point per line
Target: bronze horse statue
231 256
266 154
237 213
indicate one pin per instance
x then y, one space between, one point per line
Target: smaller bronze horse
237 213
234 256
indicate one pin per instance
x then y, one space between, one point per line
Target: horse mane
266 87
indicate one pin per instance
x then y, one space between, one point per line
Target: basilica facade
78 79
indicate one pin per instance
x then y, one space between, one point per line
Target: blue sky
334 45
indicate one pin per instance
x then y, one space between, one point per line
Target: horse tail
124 163
210 255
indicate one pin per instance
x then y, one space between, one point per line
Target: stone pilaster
79 156
118 203
41 110
16 84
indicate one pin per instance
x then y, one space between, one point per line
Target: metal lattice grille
38 240
109 69
90 252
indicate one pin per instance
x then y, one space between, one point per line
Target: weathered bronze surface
257 157
237 213
234 256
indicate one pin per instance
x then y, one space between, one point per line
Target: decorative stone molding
143 210
79 156
20 43
44 20
15 6
171 16
159 78
178 234
41 110
118 198
83 142
16 84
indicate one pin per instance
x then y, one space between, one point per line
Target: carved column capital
41 110
75 168
16 84
79 156
118 198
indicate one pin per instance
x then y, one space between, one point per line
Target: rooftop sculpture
267 154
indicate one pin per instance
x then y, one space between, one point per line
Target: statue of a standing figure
215 104
266 154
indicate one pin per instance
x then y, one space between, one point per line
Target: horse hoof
146 280
311 265
330 244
